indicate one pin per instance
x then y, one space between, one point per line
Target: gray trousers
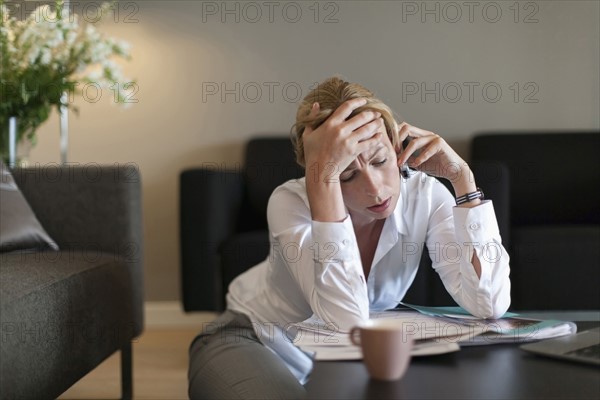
228 361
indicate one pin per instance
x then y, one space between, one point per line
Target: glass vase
15 149
12 141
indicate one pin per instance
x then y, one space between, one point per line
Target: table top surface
499 371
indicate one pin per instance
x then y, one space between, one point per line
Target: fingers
369 129
361 119
400 136
413 150
422 145
339 118
361 126
314 111
432 147
369 143
406 131
403 131
346 109
402 152
342 113
348 137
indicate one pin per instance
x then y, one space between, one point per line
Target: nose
371 184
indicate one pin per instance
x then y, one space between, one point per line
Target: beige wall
181 51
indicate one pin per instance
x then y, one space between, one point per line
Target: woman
347 240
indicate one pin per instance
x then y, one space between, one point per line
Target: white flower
59 51
46 56
5 13
70 39
42 14
94 75
91 34
123 48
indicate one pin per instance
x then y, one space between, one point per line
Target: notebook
582 347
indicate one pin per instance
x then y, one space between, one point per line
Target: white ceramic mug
385 347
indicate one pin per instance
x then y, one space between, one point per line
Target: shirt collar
399 224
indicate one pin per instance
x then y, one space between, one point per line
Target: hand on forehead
381 150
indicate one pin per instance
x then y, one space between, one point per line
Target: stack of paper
511 328
435 330
431 336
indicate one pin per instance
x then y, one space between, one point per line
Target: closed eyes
347 176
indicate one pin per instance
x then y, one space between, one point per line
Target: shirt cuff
477 225
334 241
477 229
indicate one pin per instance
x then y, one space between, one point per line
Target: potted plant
46 55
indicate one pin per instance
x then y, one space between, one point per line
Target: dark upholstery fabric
210 203
19 228
427 288
64 312
494 179
59 323
554 215
215 205
268 164
93 208
242 251
556 267
555 177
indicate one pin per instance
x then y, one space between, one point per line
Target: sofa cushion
553 177
555 267
269 163
61 316
241 252
19 227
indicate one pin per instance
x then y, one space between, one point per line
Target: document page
431 335
511 328
435 330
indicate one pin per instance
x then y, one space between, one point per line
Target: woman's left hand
429 153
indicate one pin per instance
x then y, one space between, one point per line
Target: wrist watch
478 194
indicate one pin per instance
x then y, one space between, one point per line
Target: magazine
511 328
435 330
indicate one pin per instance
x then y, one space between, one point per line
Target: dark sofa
63 313
546 192
554 215
223 225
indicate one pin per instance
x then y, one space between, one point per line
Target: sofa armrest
87 207
92 208
210 202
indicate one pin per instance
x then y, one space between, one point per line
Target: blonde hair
330 94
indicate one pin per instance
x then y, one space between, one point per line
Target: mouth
380 207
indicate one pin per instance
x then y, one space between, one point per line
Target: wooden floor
160 362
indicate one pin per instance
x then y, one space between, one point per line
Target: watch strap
478 194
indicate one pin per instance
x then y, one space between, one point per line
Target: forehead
383 144
367 155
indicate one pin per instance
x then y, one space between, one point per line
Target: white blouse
315 267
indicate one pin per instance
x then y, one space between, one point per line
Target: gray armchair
64 312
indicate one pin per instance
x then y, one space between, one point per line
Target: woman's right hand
329 149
